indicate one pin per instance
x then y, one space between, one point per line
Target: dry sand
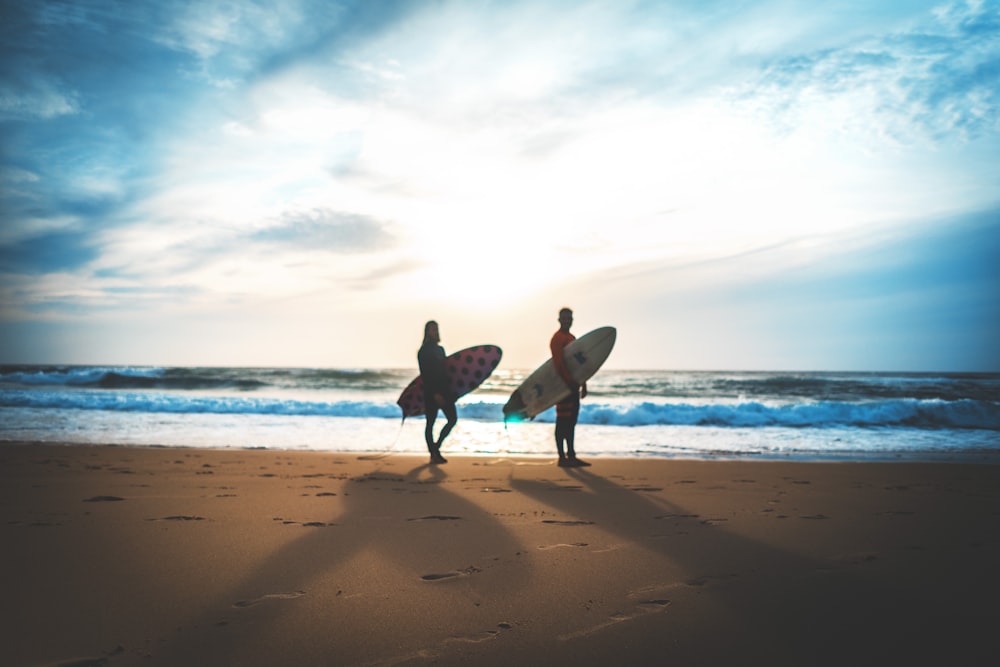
148 556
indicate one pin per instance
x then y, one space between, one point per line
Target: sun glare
477 280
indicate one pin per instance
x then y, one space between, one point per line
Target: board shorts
570 407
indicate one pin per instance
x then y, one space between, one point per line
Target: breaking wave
910 413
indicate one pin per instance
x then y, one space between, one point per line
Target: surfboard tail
514 406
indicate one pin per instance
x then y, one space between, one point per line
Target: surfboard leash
390 450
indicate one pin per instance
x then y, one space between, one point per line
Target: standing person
437 395
568 409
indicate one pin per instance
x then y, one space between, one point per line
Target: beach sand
152 556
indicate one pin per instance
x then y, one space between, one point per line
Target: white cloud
12 176
930 82
240 27
43 98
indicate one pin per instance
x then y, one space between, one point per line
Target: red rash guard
560 339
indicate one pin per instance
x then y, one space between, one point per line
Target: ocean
672 414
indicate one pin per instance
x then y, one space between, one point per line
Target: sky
754 185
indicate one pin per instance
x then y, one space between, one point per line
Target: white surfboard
544 387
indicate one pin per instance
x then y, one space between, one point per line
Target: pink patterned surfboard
466 370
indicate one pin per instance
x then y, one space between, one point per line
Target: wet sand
152 556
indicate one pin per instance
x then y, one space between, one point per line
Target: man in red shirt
568 409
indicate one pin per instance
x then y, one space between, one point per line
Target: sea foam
911 413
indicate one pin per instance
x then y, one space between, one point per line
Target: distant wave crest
192 379
186 404
911 413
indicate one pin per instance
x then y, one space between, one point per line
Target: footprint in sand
480 637
91 662
561 546
33 524
486 636
855 559
642 608
704 580
432 653
556 522
654 605
243 604
308 524
442 576
676 516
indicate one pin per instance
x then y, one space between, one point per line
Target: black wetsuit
431 360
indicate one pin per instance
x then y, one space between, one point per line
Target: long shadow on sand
404 549
776 606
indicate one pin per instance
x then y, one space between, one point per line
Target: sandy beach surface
154 556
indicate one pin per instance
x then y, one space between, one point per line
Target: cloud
38 98
84 96
238 42
45 253
935 81
200 265
324 230
78 297
381 274
29 89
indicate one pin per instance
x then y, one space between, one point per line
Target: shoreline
966 457
125 555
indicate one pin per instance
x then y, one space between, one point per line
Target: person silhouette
437 394
567 410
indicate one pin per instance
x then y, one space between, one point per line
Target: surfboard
467 369
544 387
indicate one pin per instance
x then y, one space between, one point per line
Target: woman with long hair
437 395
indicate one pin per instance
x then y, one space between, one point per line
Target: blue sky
753 185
